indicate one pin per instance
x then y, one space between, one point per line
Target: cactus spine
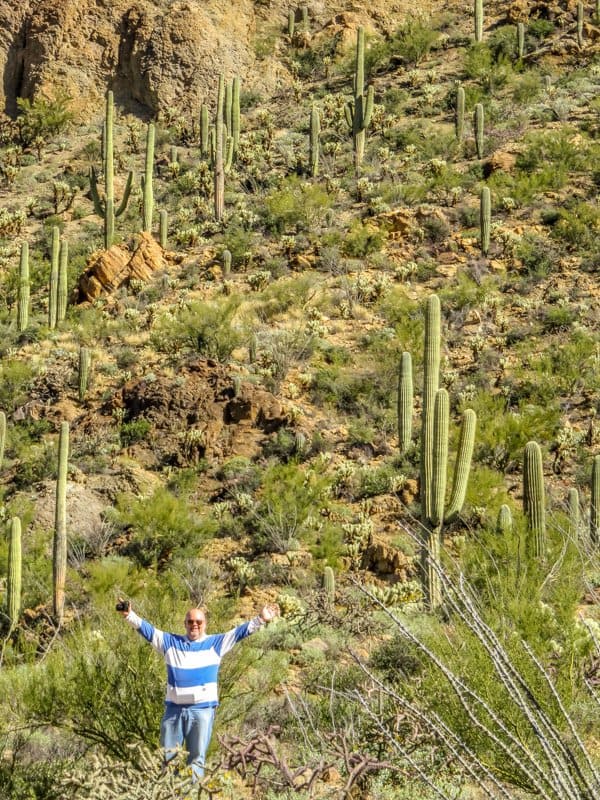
53 294
329 584
478 15
2 436
219 167
405 402
13 584
520 40
459 118
148 175
63 279
574 516
106 208
485 219
85 359
595 503
163 228
534 501
59 554
23 294
315 129
479 121
504 521
358 112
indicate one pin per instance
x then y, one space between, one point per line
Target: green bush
296 206
134 431
362 240
42 117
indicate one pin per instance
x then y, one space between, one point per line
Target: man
193 664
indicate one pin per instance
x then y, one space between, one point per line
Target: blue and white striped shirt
192 666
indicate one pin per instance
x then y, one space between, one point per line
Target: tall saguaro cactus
85 360
478 20
59 551
105 207
2 436
359 111
315 130
459 117
63 280
405 402
485 218
148 176
13 585
23 292
534 498
595 503
219 166
53 293
478 124
574 514
431 380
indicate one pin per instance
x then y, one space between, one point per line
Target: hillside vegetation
335 347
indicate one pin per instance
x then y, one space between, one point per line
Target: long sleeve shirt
192 666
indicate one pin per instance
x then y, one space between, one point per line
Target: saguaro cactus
163 228
85 360
405 402
478 125
520 40
478 20
2 436
504 521
53 293
358 112
534 498
13 585
147 180
431 379
573 509
204 131
234 131
595 503
226 263
485 219
329 584
580 15
459 117
219 166
315 129
23 293
105 208
63 280
59 553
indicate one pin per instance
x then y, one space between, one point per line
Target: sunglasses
194 621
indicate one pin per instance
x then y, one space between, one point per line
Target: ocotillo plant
595 503
105 207
329 584
478 20
53 288
23 293
520 40
534 498
85 359
59 553
2 436
163 228
313 150
485 218
13 584
147 180
478 124
63 280
358 112
459 117
405 402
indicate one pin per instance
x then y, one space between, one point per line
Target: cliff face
154 53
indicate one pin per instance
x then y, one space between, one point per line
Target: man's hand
123 606
269 612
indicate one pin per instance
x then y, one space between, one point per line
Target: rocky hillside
227 354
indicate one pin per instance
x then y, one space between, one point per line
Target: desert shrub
483 66
362 240
43 117
134 431
537 254
577 226
295 206
159 526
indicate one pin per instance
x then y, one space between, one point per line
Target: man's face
195 624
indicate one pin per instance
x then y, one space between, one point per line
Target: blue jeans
192 727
